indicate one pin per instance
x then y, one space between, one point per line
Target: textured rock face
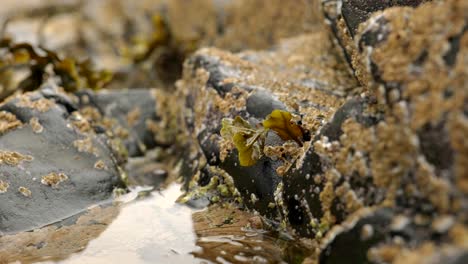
51 167
391 138
131 115
252 84
412 61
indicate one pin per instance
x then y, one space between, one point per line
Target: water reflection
151 230
229 235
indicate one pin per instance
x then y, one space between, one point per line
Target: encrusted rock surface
128 114
302 75
49 174
392 137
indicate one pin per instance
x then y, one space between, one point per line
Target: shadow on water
152 229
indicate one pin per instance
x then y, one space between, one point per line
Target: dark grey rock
256 183
299 186
52 151
435 146
217 70
460 259
148 174
118 104
351 108
451 55
349 246
357 11
354 13
261 103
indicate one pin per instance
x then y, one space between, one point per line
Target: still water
151 229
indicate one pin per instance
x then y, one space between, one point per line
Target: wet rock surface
50 170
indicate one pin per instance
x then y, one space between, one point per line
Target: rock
50 170
59 240
303 185
378 173
133 111
355 12
261 103
394 141
252 85
345 17
256 183
150 170
352 241
462 258
148 175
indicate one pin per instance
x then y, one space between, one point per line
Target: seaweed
73 75
250 141
281 122
161 50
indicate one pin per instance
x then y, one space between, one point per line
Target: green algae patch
248 141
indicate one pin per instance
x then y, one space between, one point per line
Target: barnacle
53 179
8 121
25 191
36 125
4 186
13 158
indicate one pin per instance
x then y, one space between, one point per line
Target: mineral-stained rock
252 244
59 240
49 175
